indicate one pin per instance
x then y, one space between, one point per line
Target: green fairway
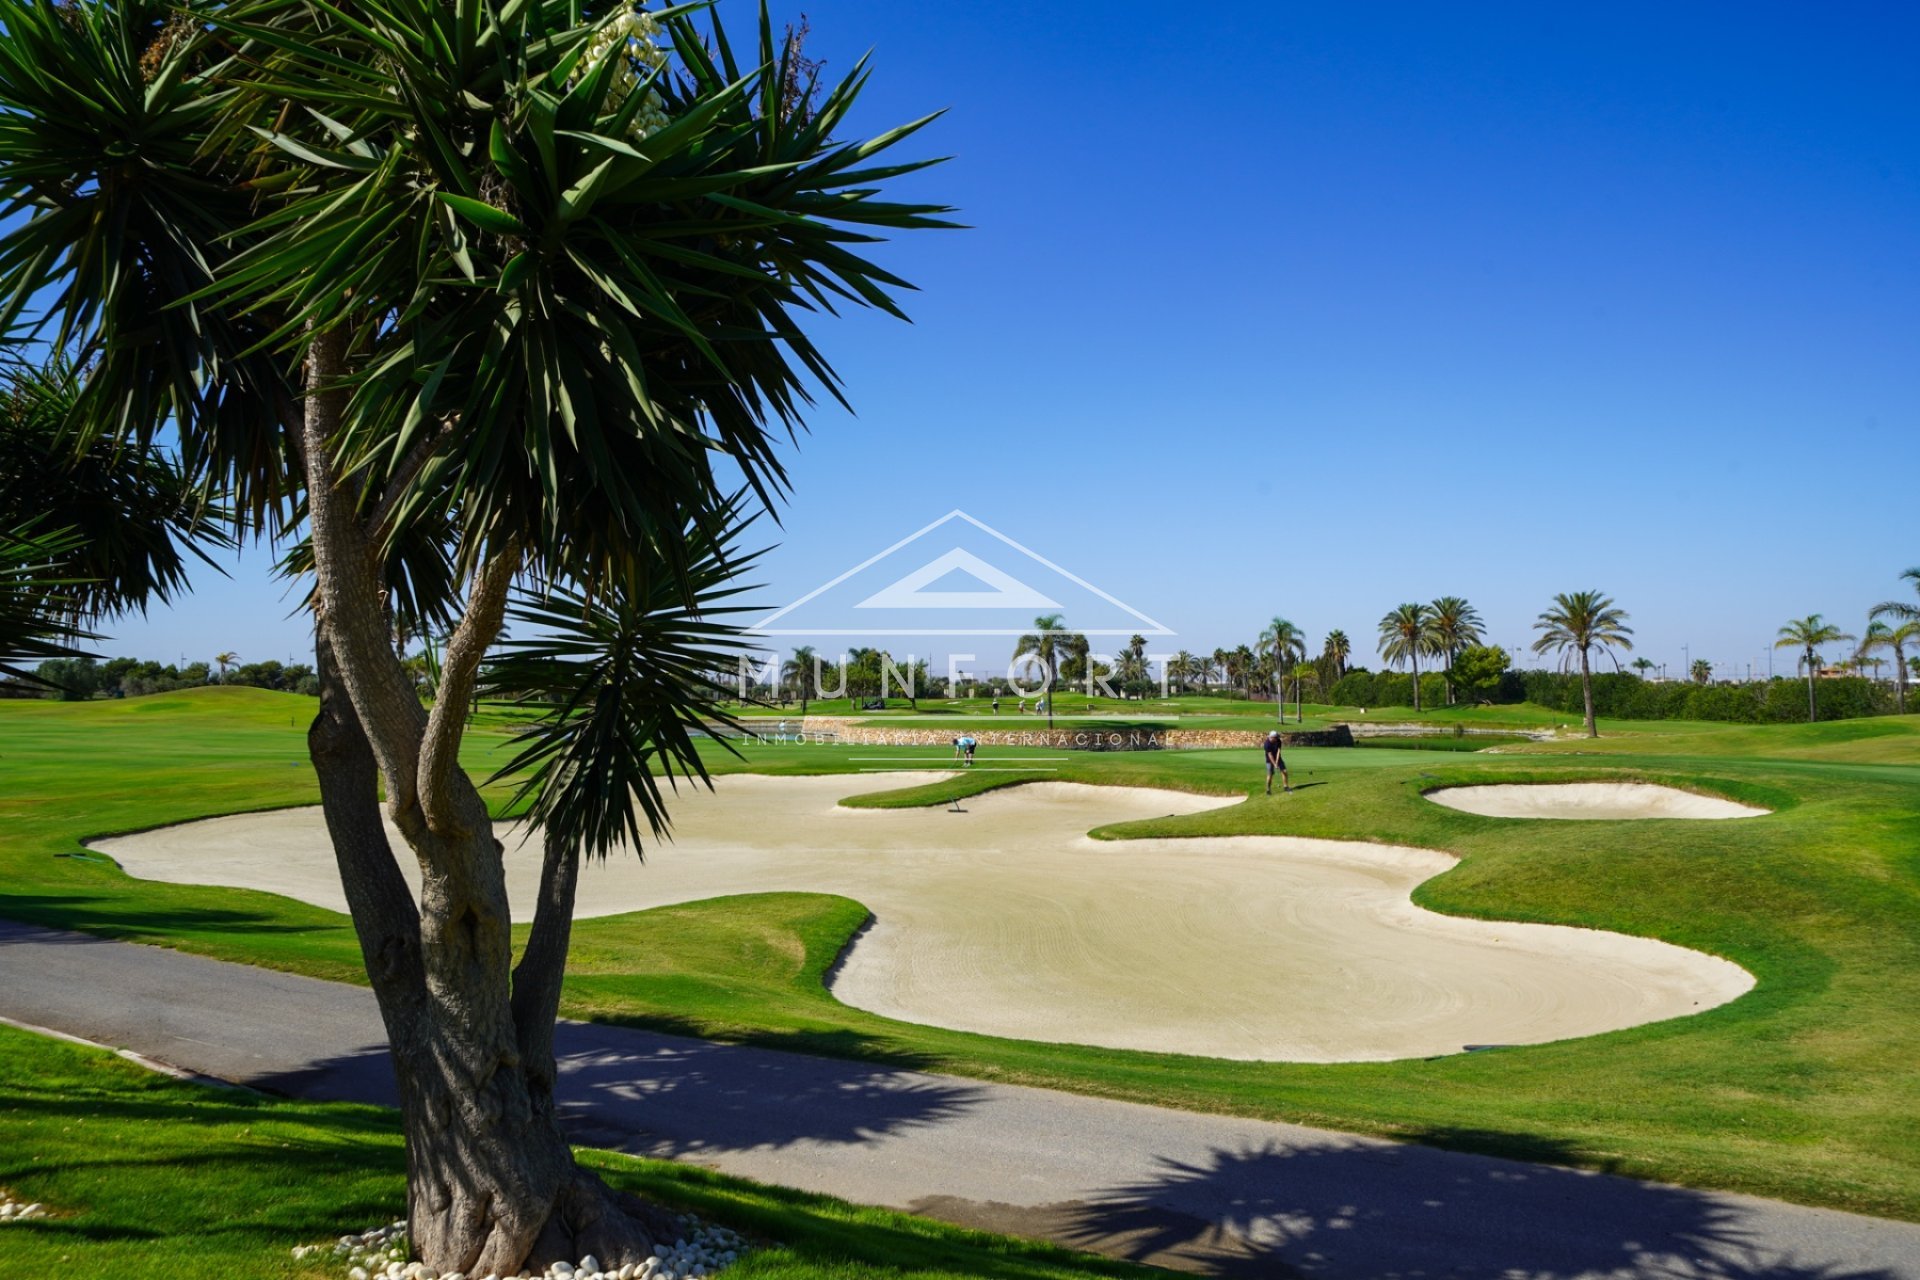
1803 1089
145 1175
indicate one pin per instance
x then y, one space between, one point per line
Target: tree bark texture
1586 692
1813 661
491 1182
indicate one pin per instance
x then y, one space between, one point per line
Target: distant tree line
82 679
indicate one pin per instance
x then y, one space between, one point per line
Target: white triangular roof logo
1005 592
910 592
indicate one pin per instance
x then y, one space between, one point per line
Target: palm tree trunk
1586 691
1416 681
1812 709
1900 670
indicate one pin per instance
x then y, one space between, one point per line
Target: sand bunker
1008 919
1603 801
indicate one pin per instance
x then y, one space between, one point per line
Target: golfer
1276 761
967 745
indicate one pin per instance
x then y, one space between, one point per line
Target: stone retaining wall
1131 738
1365 729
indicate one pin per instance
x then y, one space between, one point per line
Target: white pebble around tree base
381 1254
12 1210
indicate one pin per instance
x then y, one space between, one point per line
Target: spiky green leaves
627 685
601 308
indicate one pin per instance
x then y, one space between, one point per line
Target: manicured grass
148 1176
1441 742
1803 1089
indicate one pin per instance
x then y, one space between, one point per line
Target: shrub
1355 689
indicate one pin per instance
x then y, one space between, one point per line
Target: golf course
1800 1088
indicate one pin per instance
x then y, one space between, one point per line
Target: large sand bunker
1604 801
1008 919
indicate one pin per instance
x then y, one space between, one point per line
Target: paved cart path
1212 1194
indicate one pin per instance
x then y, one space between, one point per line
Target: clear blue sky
1311 309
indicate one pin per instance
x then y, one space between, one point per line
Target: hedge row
1628 697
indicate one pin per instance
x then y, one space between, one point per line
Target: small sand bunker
1007 919
1592 801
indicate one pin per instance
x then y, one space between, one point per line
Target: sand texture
1603 801
1008 919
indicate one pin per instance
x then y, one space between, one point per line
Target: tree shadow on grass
168 1162
106 916
1344 1207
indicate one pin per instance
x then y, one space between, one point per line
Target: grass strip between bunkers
145 1175
1803 1089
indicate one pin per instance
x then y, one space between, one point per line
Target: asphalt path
1210 1194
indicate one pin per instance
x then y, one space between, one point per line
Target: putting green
1005 918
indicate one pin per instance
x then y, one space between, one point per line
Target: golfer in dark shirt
1276 762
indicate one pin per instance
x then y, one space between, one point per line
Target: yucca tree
1405 634
1908 613
1050 644
1338 650
35 625
461 295
1281 645
1455 625
1808 635
89 530
1577 622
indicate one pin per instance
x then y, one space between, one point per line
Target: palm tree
1338 649
223 661
1405 634
1049 643
1909 613
1220 665
1897 640
1642 665
1302 672
403 268
801 670
1281 645
1876 637
1184 667
1577 621
1455 625
1240 668
1701 671
1807 635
